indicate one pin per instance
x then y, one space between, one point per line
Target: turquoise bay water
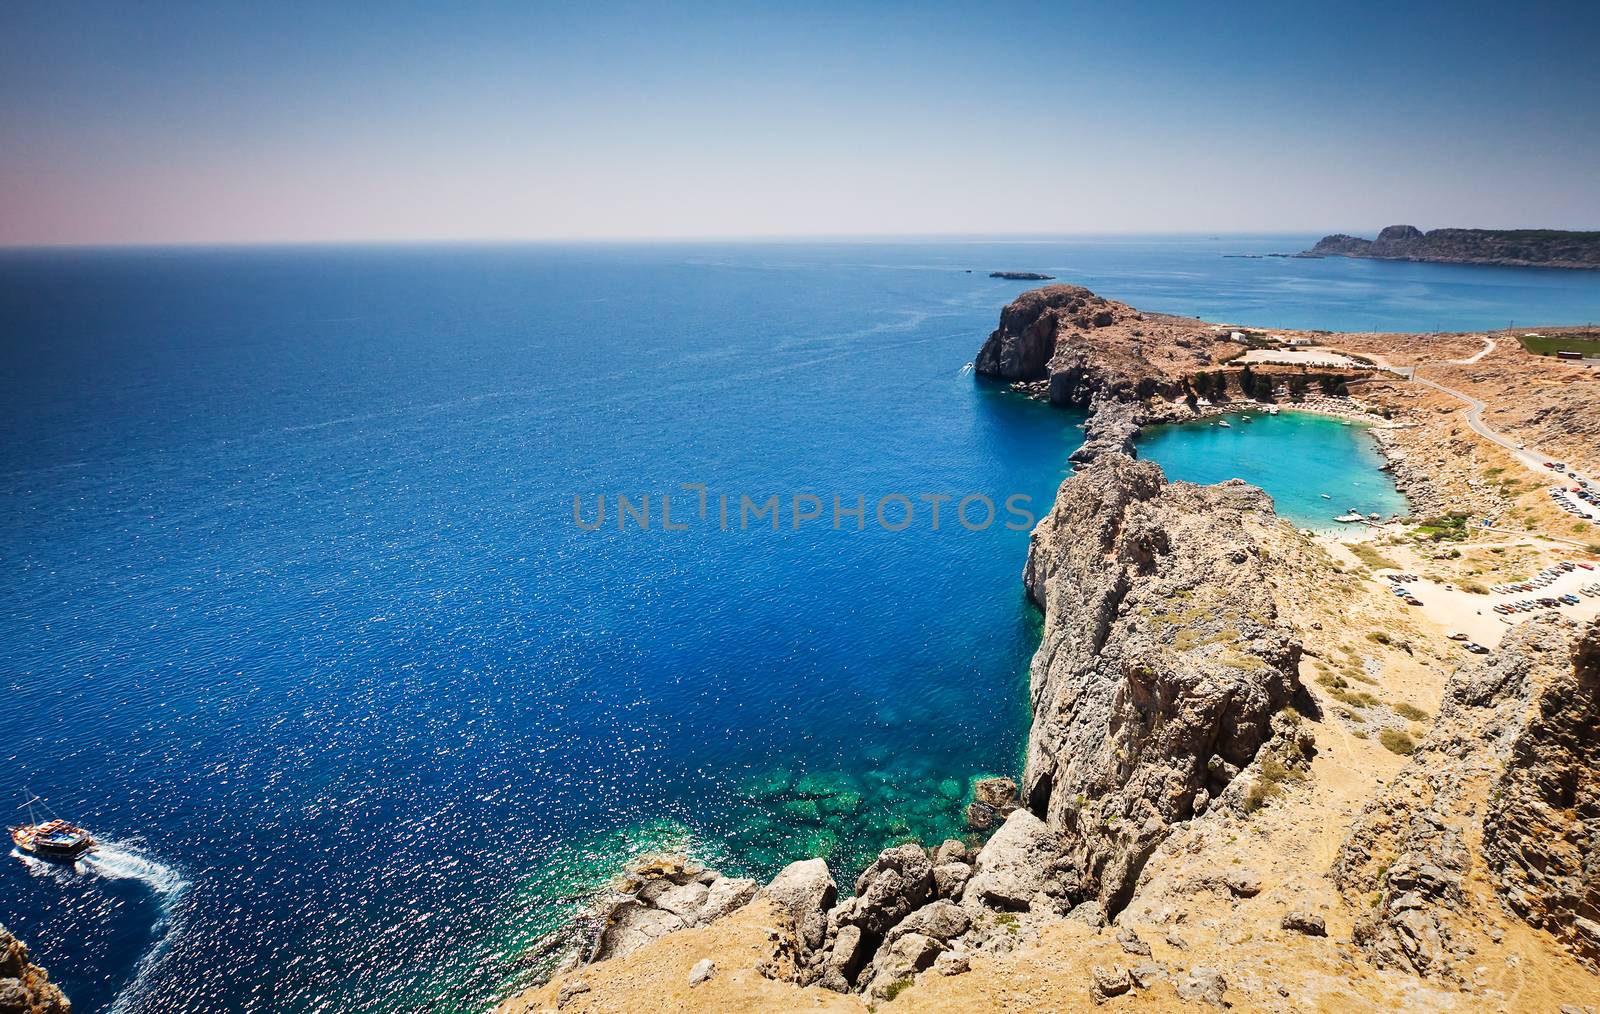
296 615
1297 457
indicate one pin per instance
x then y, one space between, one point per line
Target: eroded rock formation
25 988
1541 834
1161 666
1519 729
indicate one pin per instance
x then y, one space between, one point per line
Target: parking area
1569 588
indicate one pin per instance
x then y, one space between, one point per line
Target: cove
1295 456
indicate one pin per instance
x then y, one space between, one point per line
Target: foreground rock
654 896
1542 828
1160 670
1519 727
25 988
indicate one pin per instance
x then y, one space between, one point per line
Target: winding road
1531 459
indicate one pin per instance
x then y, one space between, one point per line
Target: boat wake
118 861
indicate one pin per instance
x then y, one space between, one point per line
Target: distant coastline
1525 248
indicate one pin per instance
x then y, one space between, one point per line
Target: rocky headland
25 988
1236 792
1525 248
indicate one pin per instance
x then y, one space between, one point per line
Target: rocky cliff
1504 789
1080 346
1540 248
1161 666
1162 675
25 988
1542 824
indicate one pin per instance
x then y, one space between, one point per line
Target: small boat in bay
1225 424
51 839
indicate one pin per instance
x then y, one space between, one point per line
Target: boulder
845 960
952 963
951 851
1244 883
1203 984
1147 975
981 816
804 891
703 969
898 881
1106 983
900 961
1020 861
941 920
1130 943
950 878
682 900
998 793
1308 923
726 894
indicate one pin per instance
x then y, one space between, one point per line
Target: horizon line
973 237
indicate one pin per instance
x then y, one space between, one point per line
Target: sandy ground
1451 609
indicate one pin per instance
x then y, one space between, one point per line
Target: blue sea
298 619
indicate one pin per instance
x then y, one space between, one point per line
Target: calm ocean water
297 618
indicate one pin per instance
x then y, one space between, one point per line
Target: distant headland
1527 248
1021 276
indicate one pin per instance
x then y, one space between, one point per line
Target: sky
155 122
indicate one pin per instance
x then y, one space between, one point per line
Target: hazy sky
150 122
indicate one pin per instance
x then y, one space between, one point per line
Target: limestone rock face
1023 860
1519 727
1543 820
25 988
1022 345
1161 667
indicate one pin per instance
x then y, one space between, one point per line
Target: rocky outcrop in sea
1528 248
25 988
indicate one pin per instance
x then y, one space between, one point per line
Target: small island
1021 276
1526 248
